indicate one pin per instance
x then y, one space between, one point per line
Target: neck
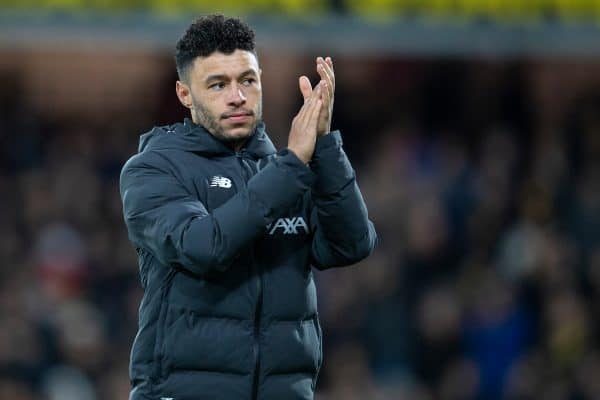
237 145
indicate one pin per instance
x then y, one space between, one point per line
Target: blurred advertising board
455 10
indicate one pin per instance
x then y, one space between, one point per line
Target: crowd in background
485 285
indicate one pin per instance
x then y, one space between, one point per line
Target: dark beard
211 123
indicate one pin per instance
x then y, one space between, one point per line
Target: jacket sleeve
343 233
165 218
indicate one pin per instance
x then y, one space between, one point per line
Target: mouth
238 116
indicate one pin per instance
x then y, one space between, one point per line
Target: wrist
298 156
326 143
324 131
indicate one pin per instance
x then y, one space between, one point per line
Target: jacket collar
192 137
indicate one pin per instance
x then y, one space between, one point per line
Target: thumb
305 87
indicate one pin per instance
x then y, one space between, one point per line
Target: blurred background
474 127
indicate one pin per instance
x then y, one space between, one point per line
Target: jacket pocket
159 355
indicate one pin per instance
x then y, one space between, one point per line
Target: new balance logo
219 181
289 226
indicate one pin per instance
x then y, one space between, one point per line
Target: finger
314 120
314 108
326 73
322 69
305 87
306 110
301 116
326 107
313 94
317 95
326 95
310 105
328 66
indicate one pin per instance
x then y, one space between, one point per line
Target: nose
236 96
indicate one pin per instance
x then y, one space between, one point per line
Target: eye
248 81
216 86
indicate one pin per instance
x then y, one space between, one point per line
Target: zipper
259 292
320 358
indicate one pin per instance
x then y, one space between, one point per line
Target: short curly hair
212 33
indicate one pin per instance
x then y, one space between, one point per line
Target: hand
325 71
303 134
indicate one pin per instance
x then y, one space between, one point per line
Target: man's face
225 94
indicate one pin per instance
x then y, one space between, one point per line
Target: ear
184 94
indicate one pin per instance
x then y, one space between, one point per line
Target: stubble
211 123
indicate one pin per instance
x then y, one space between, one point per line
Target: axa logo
220 181
288 226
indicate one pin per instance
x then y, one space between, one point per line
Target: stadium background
474 127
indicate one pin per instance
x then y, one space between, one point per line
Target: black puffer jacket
226 242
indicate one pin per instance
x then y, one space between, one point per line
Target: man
226 230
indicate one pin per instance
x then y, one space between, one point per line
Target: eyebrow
222 77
